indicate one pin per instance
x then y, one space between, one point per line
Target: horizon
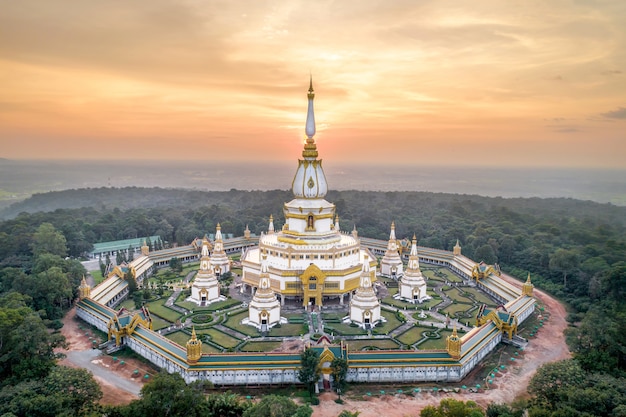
531 85
22 178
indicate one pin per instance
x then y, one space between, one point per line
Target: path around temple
549 346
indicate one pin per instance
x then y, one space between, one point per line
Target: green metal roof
116 245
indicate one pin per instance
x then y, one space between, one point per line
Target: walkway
86 359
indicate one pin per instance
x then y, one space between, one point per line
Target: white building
391 264
309 259
219 259
365 307
205 288
412 287
264 309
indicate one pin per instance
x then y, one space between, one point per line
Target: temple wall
93 319
372 373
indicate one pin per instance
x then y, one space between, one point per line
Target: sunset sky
507 83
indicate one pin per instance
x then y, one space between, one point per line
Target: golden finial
311 92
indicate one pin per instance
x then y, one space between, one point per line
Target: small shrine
391 264
264 309
365 307
205 288
412 286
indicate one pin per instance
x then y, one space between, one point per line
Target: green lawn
157 308
346 329
234 322
158 323
446 274
224 305
260 346
456 308
457 295
181 338
411 336
479 296
391 324
128 305
220 338
436 343
382 344
287 330
97 276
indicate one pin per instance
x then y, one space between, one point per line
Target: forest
573 249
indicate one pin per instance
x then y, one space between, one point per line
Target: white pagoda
391 264
219 260
309 260
365 307
205 288
264 309
412 287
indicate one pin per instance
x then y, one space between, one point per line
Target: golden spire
84 290
453 344
194 347
457 248
527 288
311 94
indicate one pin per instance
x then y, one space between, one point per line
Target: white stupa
412 287
219 260
264 309
205 288
310 261
365 307
391 264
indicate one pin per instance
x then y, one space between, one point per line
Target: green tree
339 371
549 383
49 290
169 395
449 407
176 264
595 342
503 410
346 413
277 406
309 372
48 240
486 253
227 404
102 267
132 283
75 388
26 346
564 261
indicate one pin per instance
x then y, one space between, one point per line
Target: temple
310 264
309 259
